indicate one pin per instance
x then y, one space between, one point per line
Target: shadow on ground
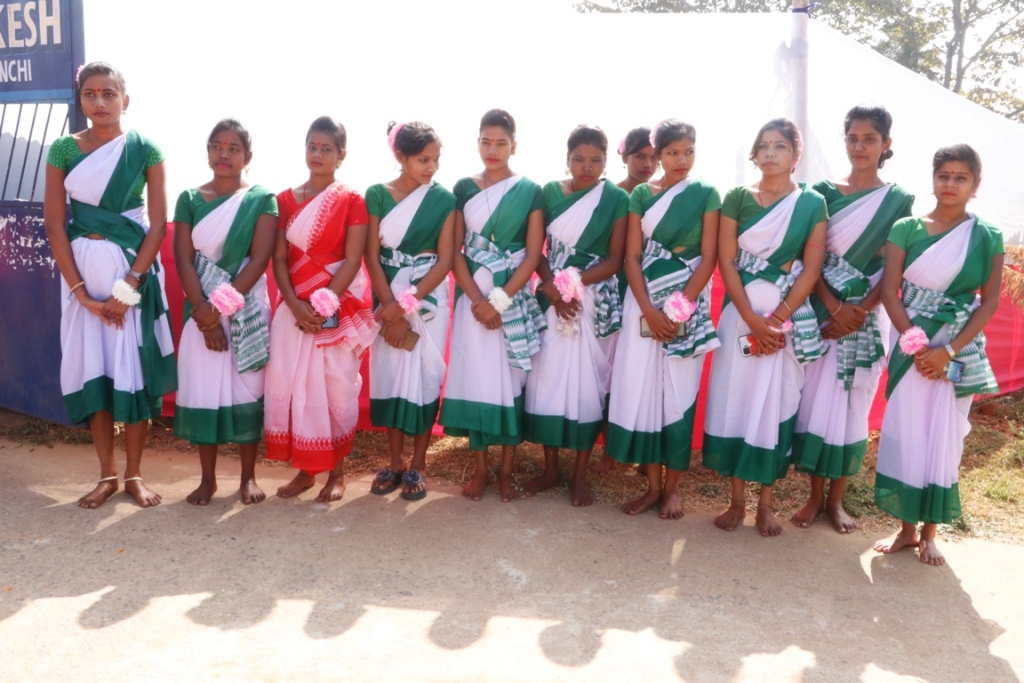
721 607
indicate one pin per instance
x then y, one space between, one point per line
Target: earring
566 170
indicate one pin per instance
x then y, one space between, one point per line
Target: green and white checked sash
250 334
608 316
666 273
808 344
930 309
421 265
860 350
523 321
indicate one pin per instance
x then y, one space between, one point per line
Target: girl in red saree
323 325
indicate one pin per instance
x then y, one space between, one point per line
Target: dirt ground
375 588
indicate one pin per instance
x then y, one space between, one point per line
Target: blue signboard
40 45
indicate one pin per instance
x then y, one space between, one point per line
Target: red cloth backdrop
1005 332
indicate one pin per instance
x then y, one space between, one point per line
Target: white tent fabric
446 63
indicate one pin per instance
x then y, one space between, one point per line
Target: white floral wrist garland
499 299
123 292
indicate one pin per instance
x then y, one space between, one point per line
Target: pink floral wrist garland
408 301
325 302
679 308
569 284
913 340
226 299
787 325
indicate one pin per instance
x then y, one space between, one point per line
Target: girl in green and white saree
408 257
224 236
638 157
117 354
566 391
832 422
641 163
671 248
771 249
499 222
935 266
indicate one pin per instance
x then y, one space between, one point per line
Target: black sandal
385 482
410 480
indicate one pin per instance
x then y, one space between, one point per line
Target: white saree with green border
831 434
405 386
926 421
217 402
567 388
123 370
487 368
752 401
653 400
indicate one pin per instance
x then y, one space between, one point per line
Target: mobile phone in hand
748 345
330 323
954 371
645 328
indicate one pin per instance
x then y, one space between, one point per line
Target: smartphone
954 371
409 340
330 323
748 345
645 329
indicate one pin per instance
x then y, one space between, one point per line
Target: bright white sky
277 66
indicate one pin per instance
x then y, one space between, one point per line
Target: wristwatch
950 351
139 277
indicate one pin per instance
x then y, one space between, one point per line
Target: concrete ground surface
377 589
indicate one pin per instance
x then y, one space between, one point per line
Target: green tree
972 47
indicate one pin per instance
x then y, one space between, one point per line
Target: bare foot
641 504
142 494
841 521
509 490
251 493
541 483
333 490
300 483
98 496
930 554
671 506
203 494
805 516
579 492
474 490
905 537
766 521
604 465
733 517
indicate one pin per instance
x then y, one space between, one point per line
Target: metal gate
41 49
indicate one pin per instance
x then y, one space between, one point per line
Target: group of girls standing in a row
799 346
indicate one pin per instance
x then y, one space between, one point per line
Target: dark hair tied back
325 124
636 140
961 152
236 127
879 118
672 130
585 134
499 117
412 137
